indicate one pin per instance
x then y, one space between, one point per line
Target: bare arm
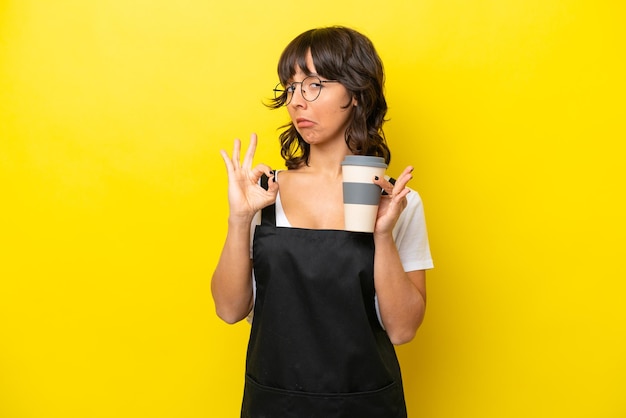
401 295
231 284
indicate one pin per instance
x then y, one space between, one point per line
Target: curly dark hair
342 54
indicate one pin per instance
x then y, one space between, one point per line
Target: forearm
401 295
231 284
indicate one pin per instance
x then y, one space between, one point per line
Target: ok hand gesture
245 194
393 203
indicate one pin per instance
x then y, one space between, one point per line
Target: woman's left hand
393 203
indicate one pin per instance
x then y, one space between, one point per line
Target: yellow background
112 114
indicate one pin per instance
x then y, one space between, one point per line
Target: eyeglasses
310 87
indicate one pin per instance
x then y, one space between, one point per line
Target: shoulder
292 178
284 175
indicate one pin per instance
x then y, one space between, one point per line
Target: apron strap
268 213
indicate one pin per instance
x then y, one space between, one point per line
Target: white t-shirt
409 234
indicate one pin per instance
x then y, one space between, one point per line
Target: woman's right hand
245 195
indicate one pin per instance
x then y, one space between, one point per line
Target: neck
327 160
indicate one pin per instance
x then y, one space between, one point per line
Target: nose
297 99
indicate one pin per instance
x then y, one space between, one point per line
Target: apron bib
316 347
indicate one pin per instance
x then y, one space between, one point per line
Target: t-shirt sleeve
411 236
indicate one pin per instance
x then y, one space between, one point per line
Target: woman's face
324 119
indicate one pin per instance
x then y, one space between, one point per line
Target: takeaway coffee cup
360 195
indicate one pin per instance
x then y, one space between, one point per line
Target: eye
313 86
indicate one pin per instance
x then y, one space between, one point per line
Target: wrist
237 221
382 237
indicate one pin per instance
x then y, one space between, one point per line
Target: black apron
316 347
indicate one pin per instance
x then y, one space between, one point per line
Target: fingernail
375 177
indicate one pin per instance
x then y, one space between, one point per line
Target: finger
401 183
247 161
236 152
400 195
272 184
271 174
404 178
227 161
388 188
383 184
262 169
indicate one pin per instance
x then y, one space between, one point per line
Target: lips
304 123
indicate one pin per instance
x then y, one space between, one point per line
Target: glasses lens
311 88
283 94
279 91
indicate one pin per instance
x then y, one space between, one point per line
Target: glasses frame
281 92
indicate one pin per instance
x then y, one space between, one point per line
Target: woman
328 305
